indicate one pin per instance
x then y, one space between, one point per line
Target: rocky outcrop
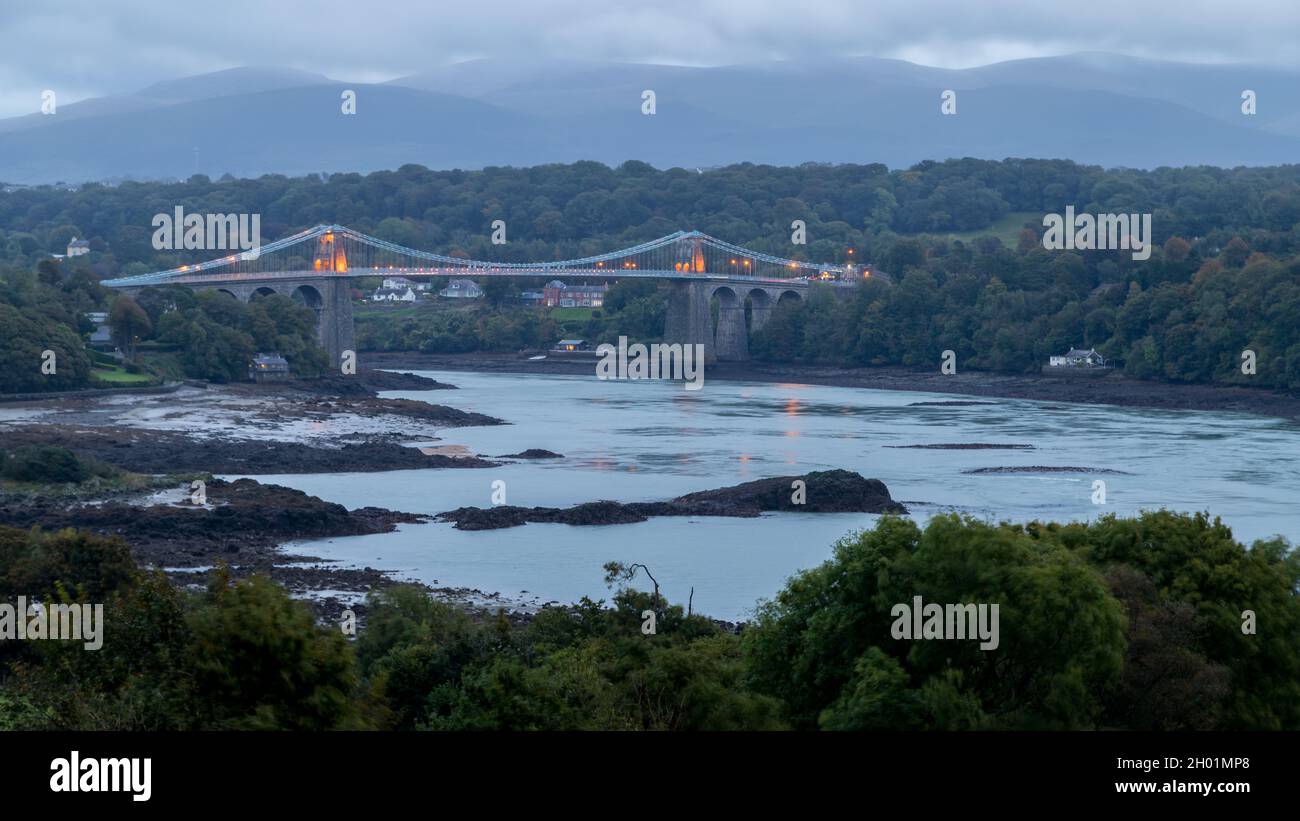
237 516
1045 469
156 451
831 491
964 446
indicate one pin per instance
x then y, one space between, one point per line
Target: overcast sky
85 48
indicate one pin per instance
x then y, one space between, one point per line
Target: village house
102 337
461 289
558 295
78 247
571 345
402 283
268 368
1078 358
393 295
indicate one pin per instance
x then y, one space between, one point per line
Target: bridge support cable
340 251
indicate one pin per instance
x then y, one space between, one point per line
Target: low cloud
90 48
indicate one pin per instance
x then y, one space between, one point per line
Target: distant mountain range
1094 108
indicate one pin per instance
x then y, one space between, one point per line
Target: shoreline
262 539
1115 389
327 424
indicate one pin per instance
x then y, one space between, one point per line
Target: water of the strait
650 440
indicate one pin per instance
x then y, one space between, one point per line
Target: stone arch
788 295
721 298
228 293
308 295
730 340
758 308
265 290
726 295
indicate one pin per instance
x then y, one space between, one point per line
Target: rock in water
826 491
533 453
829 491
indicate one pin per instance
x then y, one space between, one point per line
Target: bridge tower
329 255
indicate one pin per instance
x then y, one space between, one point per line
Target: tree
1235 252
129 324
1176 249
619 572
825 647
496 290
260 662
25 338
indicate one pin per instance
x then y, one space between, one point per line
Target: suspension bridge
315 267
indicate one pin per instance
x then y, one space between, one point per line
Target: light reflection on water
638 441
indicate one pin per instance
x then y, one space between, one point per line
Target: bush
261 663
36 563
45 464
826 647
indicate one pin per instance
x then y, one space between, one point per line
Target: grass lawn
118 376
390 311
571 314
1007 229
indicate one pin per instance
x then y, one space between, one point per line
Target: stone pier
690 318
330 297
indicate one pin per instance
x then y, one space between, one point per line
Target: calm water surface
632 441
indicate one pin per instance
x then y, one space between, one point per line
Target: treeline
170 332
565 211
1162 622
1222 278
1191 322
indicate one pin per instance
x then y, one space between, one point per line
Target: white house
462 289
393 295
78 247
1078 358
402 283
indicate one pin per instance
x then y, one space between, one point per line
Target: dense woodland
1222 278
1121 623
